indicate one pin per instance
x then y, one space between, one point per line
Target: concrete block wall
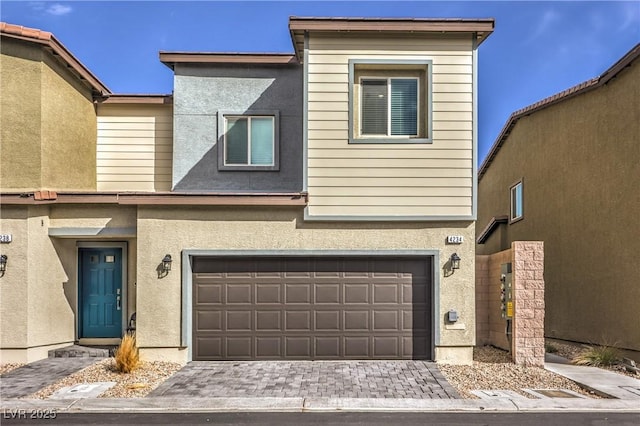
527 259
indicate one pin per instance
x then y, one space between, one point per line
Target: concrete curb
142 405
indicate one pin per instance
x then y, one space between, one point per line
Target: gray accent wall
202 92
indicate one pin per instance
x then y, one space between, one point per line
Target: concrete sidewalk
603 382
624 390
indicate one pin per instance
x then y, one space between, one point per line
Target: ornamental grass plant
127 356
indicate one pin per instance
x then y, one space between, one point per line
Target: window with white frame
389 101
249 142
517 202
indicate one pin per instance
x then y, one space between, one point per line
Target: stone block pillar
528 293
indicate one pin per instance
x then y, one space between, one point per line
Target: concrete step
77 351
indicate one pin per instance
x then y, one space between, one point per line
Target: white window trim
388 135
512 189
222 140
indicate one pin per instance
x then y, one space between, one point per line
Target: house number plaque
455 239
5 238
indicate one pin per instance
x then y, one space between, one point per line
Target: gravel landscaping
492 369
133 385
5 368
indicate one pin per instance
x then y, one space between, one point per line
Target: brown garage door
312 308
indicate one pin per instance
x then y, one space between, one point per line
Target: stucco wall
200 93
47 123
39 291
68 130
14 293
20 115
36 303
170 230
580 163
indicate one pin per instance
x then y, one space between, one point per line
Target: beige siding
390 179
134 147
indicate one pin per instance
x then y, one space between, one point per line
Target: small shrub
597 356
550 348
127 357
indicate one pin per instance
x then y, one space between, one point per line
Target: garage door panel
208 347
356 320
385 293
268 347
239 347
356 293
269 321
386 347
415 347
238 293
312 308
327 321
357 347
268 293
327 347
327 293
297 293
298 321
238 321
208 320
416 320
297 347
385 320
208 293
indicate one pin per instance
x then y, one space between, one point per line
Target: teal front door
100 293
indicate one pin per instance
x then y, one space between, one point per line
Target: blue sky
536 50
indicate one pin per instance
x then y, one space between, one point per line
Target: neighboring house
565 171
305 199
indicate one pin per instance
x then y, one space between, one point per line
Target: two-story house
565 171
313 205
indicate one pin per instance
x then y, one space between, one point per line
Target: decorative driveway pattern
32 377
306 379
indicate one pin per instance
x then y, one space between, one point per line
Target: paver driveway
338 379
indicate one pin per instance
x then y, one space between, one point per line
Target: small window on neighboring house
390 101
517 205
249 142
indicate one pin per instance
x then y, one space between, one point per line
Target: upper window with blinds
389 102
249 142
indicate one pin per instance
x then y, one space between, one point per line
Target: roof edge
491 226
576 90
138 98
47 39
170 58
155 198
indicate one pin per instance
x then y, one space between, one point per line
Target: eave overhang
170 59
49 43
480 29
156 198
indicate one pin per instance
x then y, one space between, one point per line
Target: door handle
118 307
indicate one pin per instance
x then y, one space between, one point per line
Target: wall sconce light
166 263
3 264
455 261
